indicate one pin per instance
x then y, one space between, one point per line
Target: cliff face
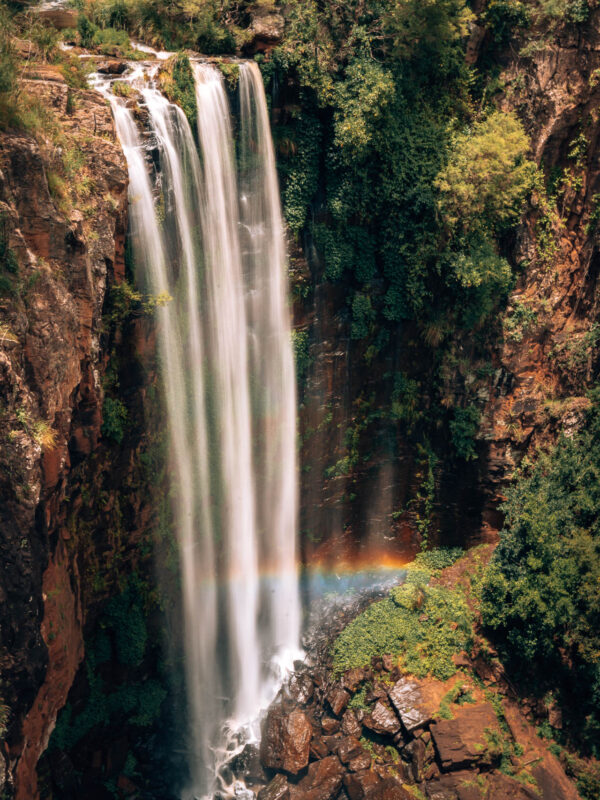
63 247
380 491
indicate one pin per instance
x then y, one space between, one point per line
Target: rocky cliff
63 207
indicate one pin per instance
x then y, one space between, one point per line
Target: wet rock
389 789
300 688
358 784
338 699
416 705
352 679
362 761
323 781
382 719
350 724
330 725
278 789
415 751
348 749
112 67
247 765
462 742
286 740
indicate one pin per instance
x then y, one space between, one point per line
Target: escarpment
63 218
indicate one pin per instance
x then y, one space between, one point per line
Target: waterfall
217 252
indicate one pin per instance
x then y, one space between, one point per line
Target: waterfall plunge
228 377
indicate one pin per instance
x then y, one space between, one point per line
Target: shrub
423 625
114 419
540 595
464 428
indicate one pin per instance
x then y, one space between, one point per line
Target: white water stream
217 249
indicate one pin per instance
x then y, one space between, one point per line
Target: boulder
360 762
278 789
415 751
300 688
338 699
357 784
350 724
352 679
416 703
112 67
348 749
382 719
462 741
286 740
323 781
330 725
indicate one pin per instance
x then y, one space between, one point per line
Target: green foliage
202 25
520 321
8 63
302 357
121 636
505 17
114 419
9 266
540 597
423 625
177 82
463 429
86 30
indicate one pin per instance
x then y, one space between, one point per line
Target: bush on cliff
541 598
421 624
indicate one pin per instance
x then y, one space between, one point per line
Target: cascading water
228 377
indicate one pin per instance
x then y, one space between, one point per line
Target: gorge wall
529 378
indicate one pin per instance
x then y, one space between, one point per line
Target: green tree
541 598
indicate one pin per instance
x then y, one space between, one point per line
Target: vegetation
120 638
540 597
421 624
177 82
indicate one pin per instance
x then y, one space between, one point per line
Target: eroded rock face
51 367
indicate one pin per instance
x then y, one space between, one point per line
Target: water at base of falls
207 236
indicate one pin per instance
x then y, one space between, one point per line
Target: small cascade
216 254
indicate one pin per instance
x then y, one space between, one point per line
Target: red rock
318 748
286 740
462 741
389 789
278 789
362 761
323 781
348 749
300 688
350 724
352 679
502 787
382 719
338 699
416 702
358 783
330 725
